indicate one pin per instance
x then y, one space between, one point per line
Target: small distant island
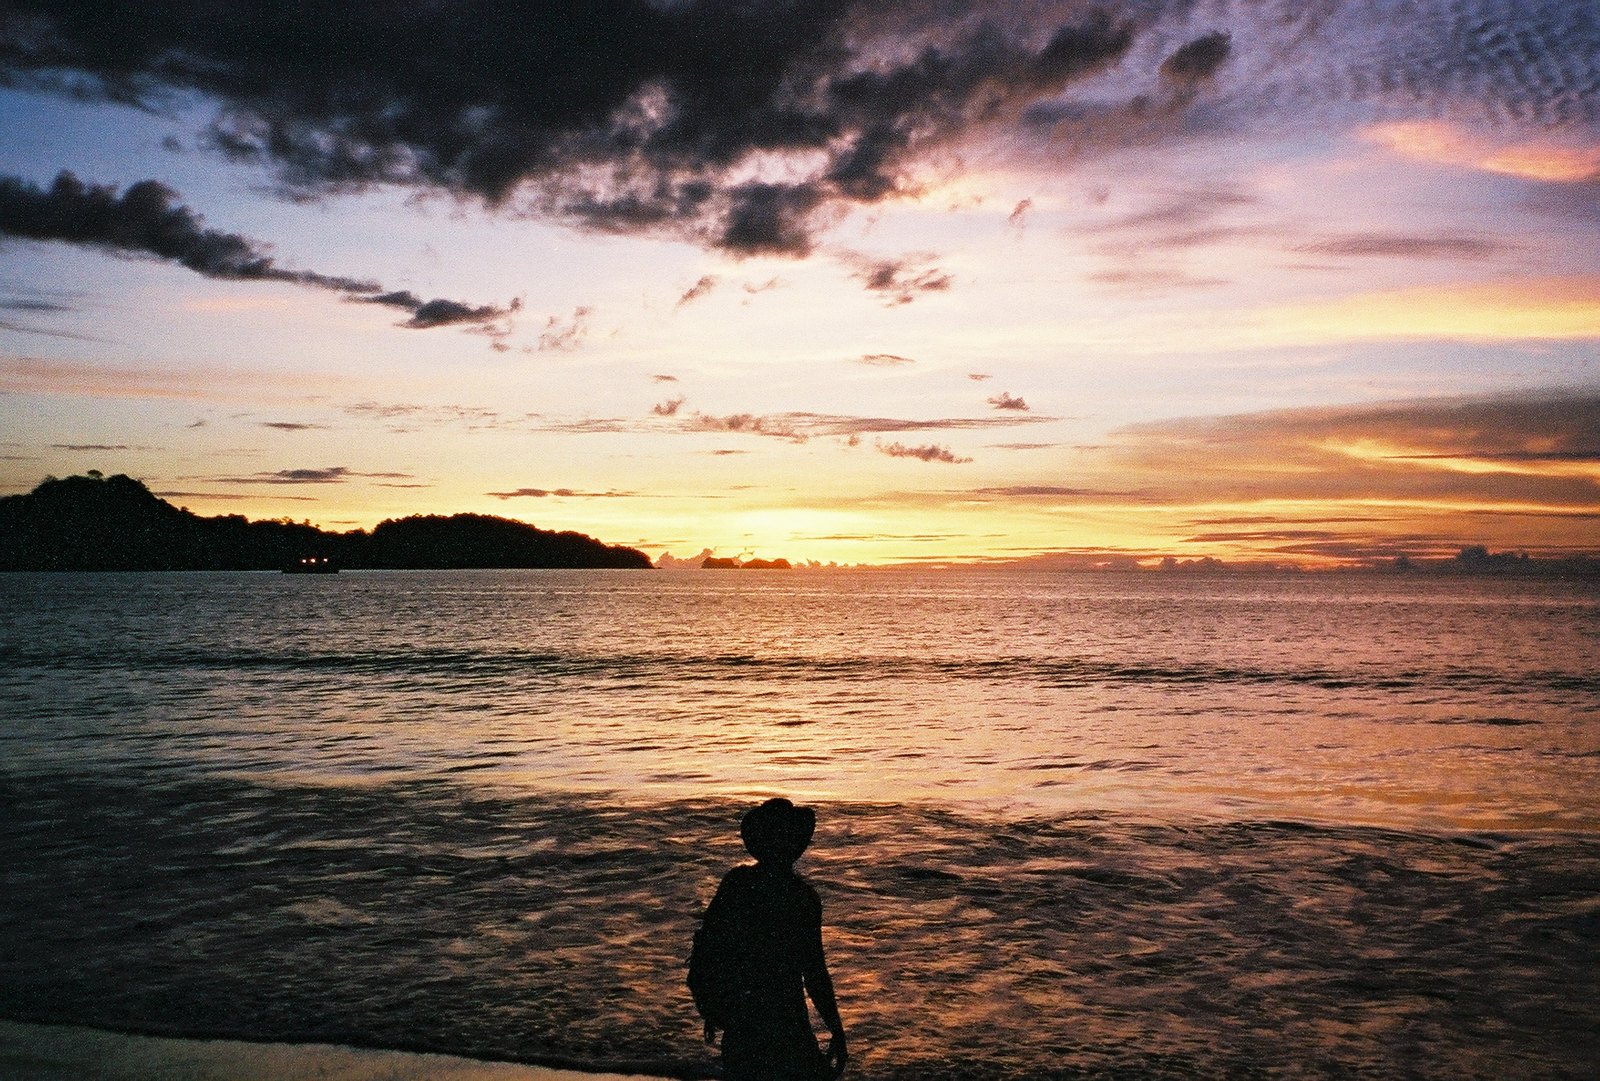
99 523
719 563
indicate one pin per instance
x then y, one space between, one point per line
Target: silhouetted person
759 952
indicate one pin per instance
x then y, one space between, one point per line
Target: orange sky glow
1040 285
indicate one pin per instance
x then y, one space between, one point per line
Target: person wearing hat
758 953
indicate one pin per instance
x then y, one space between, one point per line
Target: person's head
777 831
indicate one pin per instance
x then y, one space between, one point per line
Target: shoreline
39 1052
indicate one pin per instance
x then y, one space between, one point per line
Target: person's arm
819 984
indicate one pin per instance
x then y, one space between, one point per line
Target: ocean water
1122 825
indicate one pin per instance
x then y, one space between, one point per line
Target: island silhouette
99 523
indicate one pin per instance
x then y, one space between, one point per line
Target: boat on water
311 565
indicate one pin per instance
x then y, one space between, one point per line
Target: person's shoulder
740 878
807 892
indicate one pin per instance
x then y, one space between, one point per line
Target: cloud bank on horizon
828 219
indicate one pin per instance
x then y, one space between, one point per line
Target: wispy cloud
884 360
931 452
404 416
38 375
800 426
333 474
780 426
230 497
699 289
1515 452
1403 246
1445 143
1040 491
564 335
898 281
558 493
1004 400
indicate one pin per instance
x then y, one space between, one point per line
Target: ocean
1069 825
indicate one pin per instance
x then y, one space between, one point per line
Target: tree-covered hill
116 523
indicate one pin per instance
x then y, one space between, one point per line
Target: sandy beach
72 1053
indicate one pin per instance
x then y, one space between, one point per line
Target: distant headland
98 523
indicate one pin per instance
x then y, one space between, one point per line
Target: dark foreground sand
70 1053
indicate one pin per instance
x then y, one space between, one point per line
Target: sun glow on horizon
1163 299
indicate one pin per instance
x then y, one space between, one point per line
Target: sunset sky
832 280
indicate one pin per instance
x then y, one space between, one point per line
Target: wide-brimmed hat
777 831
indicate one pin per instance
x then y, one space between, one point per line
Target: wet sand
73 1053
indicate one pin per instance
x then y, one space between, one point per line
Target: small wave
652 668
1493 722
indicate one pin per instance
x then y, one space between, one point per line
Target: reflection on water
432 917
1129 826
1375 700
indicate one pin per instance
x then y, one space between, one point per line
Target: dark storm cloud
148 219
1199 59
771 219
632 115
747 125
439 312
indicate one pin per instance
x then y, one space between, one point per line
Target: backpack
711 970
